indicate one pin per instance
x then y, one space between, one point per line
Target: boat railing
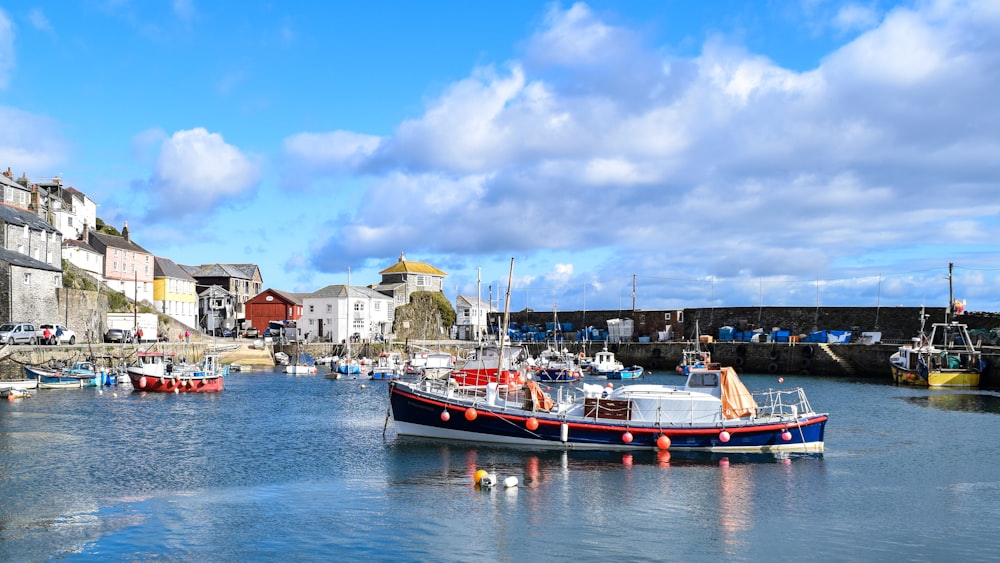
780 403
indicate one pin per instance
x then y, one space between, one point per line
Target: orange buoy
627 437
445 415
479 476
724 436
532 424
663 442
471 414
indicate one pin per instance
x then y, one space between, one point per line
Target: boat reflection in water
982 402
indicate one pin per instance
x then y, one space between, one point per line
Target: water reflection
982 402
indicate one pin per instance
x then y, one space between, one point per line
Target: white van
18 333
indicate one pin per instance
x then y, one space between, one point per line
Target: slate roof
25 261
338 291
294 298
238 271
79 244
475 302
115 241
20 217
167 268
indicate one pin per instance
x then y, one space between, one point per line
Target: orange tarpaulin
540 398
736 400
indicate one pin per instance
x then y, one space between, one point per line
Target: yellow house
175 292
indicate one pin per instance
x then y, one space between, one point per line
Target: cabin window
680 316
703 380
666 317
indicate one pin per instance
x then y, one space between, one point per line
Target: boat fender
142 382
489 481
471 414
445 415
773 354
627 437
808 351
531 424
772 368
663 442
724 436
786 435
564 432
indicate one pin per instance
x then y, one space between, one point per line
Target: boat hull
51 379
935 378
633 372
420 414
180 384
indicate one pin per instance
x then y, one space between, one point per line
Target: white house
471 317
84 256
331 315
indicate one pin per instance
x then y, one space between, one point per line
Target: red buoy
663 442
786 435
532 424
724 436
471 414
445 415
627 437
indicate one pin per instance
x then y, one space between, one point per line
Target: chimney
125 231
85 235
8 173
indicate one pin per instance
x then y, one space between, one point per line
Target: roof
474 302
214 290
338 291
20 217
404 266
79 244
167 268
115 241
238 271
25 261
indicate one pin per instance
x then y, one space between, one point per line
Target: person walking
47 336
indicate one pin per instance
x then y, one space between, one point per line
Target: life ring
773 354
741 350
739 361
772 368
808 351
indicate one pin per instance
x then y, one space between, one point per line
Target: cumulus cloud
782 172
39 20
196 171
30 143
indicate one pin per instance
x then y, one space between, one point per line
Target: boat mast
951 297
349 319
506 319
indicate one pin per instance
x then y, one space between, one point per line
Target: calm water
296 468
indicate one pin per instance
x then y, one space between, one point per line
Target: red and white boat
485 367
155 375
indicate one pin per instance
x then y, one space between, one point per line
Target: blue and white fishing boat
712 411
388 365
81 374
631 372
605 363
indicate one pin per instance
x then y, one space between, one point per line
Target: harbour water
306 468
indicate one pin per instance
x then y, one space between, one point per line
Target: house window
359 306
421 281
114 266
680 316
311 309
378 306
329 308
27 278
666 317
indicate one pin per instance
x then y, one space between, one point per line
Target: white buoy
489 481
362 385
510 482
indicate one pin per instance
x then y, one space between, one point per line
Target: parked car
18 333
60 334
116 335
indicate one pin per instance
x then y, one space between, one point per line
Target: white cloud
855 17
30 143
196 171
784 172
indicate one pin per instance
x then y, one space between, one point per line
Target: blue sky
727 153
